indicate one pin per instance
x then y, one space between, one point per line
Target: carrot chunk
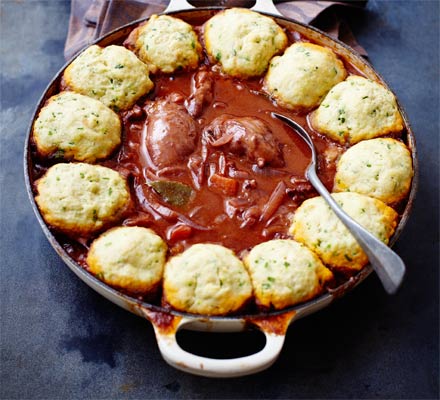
223 185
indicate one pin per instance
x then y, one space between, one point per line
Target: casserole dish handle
266 6
179 358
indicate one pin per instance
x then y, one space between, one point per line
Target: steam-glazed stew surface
205 161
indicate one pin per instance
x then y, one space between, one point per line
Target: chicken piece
171 132
246 136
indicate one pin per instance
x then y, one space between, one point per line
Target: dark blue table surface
59 339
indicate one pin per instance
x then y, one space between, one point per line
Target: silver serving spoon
387 264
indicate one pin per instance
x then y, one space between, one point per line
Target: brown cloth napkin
90 19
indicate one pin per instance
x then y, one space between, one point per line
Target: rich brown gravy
213 216
263 200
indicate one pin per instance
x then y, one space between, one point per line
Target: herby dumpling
206 279
76 127
285 272
112 75
80 199
380 168
129 257
357 109
166 44
303 75
243 41
317 226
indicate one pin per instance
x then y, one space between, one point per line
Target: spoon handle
387 264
